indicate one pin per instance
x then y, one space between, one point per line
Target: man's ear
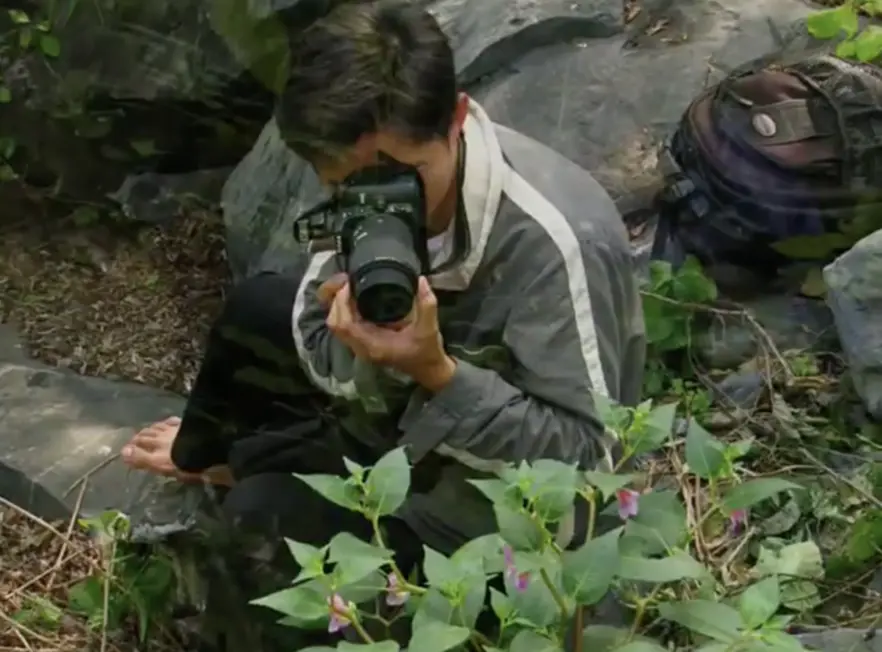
460 114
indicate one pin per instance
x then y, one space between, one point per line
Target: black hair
366 66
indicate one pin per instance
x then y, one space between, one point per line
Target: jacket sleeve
327 362
569 333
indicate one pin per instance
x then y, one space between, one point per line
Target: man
533 310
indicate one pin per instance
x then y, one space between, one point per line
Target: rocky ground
133 306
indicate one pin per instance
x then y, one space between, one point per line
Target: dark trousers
252 407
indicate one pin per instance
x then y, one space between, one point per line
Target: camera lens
384 293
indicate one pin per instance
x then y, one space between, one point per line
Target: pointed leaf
749 493
679 566
830 23
436 636
705 455
609 483
712 619
334 489
388 482
589 571
759 602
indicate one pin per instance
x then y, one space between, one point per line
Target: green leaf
144 148
334 489
553 489
49 45
604 638
705 455
436 636
679 566
799 565
536 604
388 483
655 431
781 642
438 569
379 646
868 44
659 526
18 17
500 604
25 37
712 619
494 489
5 95
518 529
355 558
813 247
304 604
830 23
527 641
759 602
691 284
846 50
659 326
608 483
641 646
589 571
752 492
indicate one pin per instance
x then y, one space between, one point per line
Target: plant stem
360 628
402 580
558 598
592 515
577 633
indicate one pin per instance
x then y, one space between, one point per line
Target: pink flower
628 499
395 595
340 614
737 521
518 580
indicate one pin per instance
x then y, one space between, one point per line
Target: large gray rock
843 640
128 87
855 296
58 429
556 71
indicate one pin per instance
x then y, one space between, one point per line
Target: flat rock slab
57 427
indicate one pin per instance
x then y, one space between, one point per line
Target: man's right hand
329 289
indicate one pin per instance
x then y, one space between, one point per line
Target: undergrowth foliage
536 589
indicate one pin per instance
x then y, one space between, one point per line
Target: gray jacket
542 313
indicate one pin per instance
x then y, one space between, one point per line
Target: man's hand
329 289
414 348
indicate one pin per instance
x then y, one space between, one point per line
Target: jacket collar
481 193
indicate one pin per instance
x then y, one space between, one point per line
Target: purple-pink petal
338 609
628 502
737 521
395 596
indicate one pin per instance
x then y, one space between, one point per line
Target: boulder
96 90
61 432
855 296
564 73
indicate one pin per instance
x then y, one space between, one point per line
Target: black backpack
774 152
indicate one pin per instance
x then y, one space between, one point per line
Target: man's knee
257 312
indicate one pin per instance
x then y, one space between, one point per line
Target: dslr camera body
376 224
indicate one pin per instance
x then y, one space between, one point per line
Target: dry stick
731 312
48 571
70 527
24 641
23 629
36 519
106 606
841 478
88 474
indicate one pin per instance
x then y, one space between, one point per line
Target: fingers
329 289
427 305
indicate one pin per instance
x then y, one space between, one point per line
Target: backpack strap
785 122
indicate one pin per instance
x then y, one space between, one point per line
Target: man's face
436 161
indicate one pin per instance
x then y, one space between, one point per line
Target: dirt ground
105 302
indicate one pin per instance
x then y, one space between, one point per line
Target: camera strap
462 239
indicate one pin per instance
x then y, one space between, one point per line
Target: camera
376 223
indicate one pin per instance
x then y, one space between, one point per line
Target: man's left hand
414 348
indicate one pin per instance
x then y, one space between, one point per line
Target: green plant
535 589
671 298
132 584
